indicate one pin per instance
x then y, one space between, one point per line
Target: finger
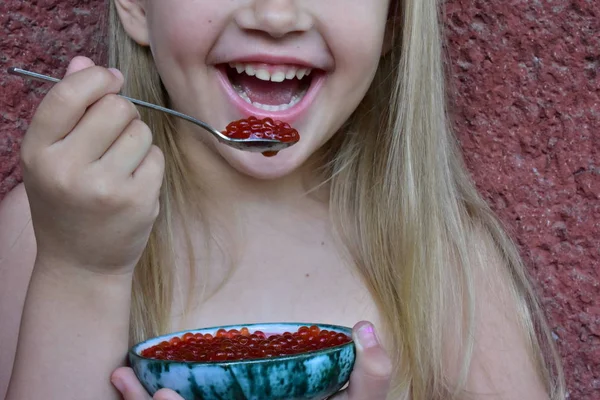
130 149
65 104
372 372
166 394
77 64
150 172
127 383
100 127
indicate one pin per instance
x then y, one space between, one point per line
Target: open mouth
271 88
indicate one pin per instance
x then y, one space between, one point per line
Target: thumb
77 64
127 383
80 63
166 394
372 372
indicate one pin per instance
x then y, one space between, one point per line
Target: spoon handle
251 145
45 78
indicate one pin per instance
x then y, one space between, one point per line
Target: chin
258 166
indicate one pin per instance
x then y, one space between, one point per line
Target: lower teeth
267 107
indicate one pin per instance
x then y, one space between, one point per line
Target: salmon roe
233 345
267 128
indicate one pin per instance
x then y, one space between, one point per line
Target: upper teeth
279 75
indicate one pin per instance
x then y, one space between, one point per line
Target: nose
276 18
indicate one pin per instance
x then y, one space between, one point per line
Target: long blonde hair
401 200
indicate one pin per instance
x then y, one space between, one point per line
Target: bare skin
500 349
69 243
303 260
92 184
64 291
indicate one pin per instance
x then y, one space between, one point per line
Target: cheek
174 37
359 30
356 65
180 38
356 40
358 57
182 29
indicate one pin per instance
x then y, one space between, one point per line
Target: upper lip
273 59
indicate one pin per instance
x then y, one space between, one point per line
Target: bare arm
17 256
73 325
92 179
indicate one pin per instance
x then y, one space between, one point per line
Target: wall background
526 75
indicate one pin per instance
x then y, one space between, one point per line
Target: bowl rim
133 350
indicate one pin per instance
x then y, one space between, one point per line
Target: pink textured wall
527 79
527 74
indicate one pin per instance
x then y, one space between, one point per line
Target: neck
242 213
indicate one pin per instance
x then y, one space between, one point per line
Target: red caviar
234 345
267 128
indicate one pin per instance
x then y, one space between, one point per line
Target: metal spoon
252 145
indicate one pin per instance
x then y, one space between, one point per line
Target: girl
371 216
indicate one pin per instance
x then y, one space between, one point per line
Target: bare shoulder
502 366
17 257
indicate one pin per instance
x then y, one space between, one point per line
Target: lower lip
290 115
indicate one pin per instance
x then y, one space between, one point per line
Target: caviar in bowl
274 361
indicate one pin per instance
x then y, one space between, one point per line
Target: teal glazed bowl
313 375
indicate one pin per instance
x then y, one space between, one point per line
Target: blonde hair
401 199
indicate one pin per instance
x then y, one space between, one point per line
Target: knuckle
102 76
119 107
140 132
157 157
104 194
35 156
156 211
64 94
62 182
155 161
27 155
380 371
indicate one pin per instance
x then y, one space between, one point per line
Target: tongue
268 93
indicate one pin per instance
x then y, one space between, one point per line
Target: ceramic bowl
314 375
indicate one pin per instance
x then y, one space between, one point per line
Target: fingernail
366 336
116 73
